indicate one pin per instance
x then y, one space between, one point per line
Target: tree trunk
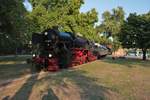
144 54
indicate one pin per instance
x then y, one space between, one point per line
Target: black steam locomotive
53 50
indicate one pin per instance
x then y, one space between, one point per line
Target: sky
27 5
129 6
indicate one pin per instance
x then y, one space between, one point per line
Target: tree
64 13
111 25
11 24
112 21
135 32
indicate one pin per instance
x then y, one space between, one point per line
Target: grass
127 77
107 79
13 67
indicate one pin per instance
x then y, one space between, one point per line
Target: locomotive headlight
45 33
33 55
50 55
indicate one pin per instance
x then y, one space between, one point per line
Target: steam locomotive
54 50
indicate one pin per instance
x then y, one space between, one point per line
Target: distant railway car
100 50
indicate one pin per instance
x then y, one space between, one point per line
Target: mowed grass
107 79
129 78
13 67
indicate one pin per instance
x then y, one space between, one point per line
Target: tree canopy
64 13
12 24
111 25
135 32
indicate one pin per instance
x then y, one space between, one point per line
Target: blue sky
27 5
129 6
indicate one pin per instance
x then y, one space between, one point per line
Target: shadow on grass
13 67
24 92
89 89
50 95
129 62
26 89
11 71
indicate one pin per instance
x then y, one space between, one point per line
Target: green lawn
13 67
107 79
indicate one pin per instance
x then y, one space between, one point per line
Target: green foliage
111 25
112 21
115 45
64 13
12 24
135 32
